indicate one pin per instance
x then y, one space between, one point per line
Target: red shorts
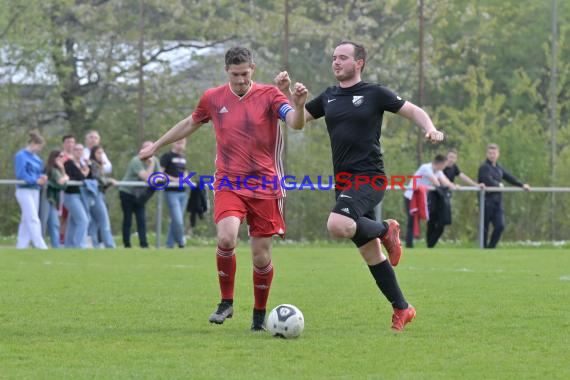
264 216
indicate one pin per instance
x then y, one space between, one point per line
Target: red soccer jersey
248 138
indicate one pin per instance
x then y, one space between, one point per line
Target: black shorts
356 203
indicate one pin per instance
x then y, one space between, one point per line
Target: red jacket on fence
419 208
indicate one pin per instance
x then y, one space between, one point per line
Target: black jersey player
353 112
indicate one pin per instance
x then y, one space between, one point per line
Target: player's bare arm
183 128
465 178
445 182
296 118
434 180
283 83
419 117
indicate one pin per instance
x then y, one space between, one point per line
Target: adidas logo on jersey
345 210
223 110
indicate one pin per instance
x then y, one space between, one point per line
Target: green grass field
123 314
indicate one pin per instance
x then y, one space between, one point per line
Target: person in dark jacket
439 201
197 206
491 174
439 206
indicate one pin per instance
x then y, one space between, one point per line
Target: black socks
385 278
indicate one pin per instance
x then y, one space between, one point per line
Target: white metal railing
378 208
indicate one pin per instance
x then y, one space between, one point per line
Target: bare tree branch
160 51
11 22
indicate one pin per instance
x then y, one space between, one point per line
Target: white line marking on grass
441 269
565 278
466 270
181 266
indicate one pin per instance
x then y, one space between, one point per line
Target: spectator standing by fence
173 163
57 180
491 174
29 168
133 199
78 219
100 225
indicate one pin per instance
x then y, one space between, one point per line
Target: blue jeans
176 201
100 223
53 225
77 221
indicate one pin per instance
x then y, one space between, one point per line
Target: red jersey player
246 118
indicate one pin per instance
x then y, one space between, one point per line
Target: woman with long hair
100 224
29 167
57 180
78 219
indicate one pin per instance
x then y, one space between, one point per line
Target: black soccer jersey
173 164
452 172
354 116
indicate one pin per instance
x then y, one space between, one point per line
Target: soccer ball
286 321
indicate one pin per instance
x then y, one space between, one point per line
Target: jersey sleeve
315 107
280 104
388 100
202 112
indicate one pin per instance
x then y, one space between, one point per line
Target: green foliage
488 75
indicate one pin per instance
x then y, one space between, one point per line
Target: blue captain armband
284 110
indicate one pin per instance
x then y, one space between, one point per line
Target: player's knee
340 229
226 241
261 259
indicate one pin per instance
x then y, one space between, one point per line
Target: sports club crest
357 100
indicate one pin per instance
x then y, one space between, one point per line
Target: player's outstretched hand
283 82
300 94
435 136
147 152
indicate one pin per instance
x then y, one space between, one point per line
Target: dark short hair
359 51
238 55
439 159
65 137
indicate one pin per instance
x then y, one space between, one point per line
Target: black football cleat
258 323
224 310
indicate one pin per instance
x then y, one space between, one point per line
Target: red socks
262 278
226 263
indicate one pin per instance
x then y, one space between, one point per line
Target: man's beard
346 75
